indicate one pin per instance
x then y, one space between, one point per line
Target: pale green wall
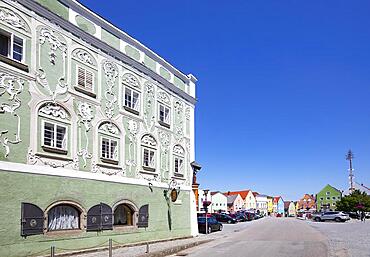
44 190
85 25
56 7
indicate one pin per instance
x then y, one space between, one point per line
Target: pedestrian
363 216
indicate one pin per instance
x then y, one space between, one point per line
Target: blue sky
283 90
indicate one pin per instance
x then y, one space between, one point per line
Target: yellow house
270 205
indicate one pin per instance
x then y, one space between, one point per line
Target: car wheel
209 230
229 221
337 219
220 228
317 219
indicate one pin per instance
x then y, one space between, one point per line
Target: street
268 237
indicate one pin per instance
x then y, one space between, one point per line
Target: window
123 215
164 115
149 145
109 149
85 79
148 158
132 99
55 135
334 197
109 142
327 193
11 46
63 217
179 162
321 198
328 198
333 204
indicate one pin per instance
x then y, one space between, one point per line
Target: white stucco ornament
130 80
149 140
12 87
13 19
85 117
55 43
111 73
84 56
54 111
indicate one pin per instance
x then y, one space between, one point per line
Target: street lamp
205 206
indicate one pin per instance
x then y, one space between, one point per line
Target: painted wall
326 199
250 201
219 203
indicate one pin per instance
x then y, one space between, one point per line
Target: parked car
250 215
353 215
225 218
331 215
240 217
212 224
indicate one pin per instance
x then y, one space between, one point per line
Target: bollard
110 247
147 247
52 251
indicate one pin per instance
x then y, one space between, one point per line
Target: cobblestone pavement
139 250
349 239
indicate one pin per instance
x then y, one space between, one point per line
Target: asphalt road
268 237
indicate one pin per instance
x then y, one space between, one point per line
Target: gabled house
261 204
306 203
328 196
289 209
270 205
278 205
219 202
248 198
234 203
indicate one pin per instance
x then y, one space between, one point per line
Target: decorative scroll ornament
164 97
133 129
54 111
110 128
130 80
164 139
54 42
85 117
149 140
111 73
34 159
150 177
11 86
84 56
178 128
188 167
187 113
95 168
13 19
178 149
60 89
149 116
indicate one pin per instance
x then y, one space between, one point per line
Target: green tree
354 201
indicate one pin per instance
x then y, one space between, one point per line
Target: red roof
242 193
276 199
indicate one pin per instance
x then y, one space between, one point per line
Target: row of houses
233 201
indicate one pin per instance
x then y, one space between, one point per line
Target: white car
331 215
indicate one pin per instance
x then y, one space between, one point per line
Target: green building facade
326 199
96 131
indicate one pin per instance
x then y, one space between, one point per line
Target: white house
219 202
261 204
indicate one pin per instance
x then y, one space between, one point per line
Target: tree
354 202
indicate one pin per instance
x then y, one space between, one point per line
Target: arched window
109 138
55 124
178 160
64 217
149 147
124 215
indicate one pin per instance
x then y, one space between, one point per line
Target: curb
175 249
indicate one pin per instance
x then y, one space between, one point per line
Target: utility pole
349 157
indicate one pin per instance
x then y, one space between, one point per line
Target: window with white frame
55 135
179 164
178 159
164 114
109 149
85 78
132 99
149 148
11 46
109 136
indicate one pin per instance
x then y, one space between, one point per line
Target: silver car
331 215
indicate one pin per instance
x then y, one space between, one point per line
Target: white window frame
92 79
181 167
11 37
132 91
116 158
169 113
154 157
55 124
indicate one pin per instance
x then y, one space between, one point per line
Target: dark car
250 216
212 225
240 217
225 218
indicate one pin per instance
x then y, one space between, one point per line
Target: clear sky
283 86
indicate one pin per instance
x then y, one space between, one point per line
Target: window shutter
99 217
106 217
143 216
89 80
32 220
81 77
94 218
